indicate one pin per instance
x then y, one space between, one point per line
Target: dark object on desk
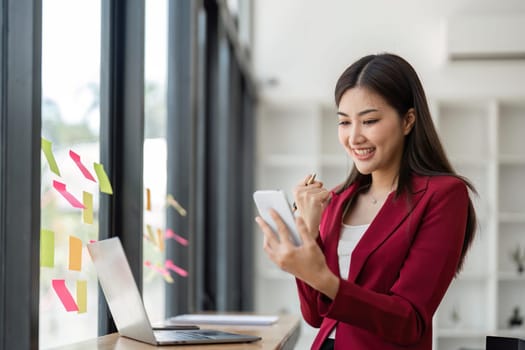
516 320
504 343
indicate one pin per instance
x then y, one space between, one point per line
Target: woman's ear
409 120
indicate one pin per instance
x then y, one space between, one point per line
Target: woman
380 251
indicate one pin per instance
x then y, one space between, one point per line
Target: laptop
127 308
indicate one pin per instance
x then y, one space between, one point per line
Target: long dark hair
394 79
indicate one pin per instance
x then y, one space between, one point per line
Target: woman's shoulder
446 183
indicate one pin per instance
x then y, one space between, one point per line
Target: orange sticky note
160 240
82 296
87 212
75 253
148 199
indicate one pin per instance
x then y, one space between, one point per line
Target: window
70 123
155 230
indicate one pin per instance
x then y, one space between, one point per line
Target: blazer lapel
389 217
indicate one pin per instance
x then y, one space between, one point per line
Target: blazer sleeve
403 314
308 297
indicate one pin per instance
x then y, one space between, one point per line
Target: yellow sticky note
103 180
87 212
171 201
75 253
150 234
48 152
47 248
160 239
82 296
148 199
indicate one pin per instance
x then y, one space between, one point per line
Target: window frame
20 173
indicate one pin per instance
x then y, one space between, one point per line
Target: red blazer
399 272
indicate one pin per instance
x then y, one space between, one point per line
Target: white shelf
460 332
511 159
517 218
511 276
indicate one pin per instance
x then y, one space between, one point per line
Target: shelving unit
484 141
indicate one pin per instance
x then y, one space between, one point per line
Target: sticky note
171 201
165 273
83 169
48 152
151 236
61 188
75 253
178 270
103 180
148 199
160 240
63 294
47 248
82 296
176 237
87 212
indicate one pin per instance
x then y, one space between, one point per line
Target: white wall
306 44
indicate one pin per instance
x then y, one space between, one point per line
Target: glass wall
69 183
156 273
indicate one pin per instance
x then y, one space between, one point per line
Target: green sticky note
87 212
48 152
47 248
103 180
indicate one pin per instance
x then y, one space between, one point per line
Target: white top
350 236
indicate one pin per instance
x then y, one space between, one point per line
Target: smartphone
276 199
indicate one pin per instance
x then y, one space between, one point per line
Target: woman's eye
343 122
370 121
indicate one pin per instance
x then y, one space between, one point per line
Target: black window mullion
247 187
122 133
21 26
181 146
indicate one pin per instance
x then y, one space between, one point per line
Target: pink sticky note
178 270
60 187
165 273
83 169
176 237
65 297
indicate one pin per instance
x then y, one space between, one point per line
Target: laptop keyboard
178 335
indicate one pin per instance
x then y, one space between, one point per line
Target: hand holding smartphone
276 199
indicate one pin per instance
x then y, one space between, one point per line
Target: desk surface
281 335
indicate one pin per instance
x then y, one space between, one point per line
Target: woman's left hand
306 262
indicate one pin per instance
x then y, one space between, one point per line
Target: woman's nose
355 136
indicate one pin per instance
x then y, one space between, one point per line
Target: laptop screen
120 290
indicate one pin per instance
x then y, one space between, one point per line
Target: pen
309 181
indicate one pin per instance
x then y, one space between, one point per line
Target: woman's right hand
311 200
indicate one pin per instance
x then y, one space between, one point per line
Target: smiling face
372 132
